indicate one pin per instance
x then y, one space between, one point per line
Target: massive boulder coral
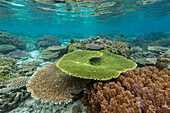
8 39
98 65
46 41
97 43
51 84
139 90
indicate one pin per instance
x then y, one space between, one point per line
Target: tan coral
163 61
142 89
17 82
51 84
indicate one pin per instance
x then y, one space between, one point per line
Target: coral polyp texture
139 90
98 65
17 82
51 84
8 39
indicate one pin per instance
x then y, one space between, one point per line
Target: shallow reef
8 39
139 90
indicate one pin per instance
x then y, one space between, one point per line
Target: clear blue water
128 16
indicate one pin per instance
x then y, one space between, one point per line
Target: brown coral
50 83
17 82
163 61
141 89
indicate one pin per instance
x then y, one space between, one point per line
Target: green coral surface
98 65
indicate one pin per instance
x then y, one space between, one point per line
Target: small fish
0 55
157 42
130 50
156 46
121 35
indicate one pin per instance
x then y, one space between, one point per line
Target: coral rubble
139 90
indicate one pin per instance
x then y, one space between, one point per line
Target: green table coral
98 65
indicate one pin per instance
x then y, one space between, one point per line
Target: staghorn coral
6 38
97 65
51 84
139 90
163 61
17 82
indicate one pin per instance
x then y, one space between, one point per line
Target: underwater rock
163 61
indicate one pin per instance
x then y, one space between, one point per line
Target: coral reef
10 98
7 68
139 90
6 38
163 61
154 35
98 65
47 40
16 54
6 48
17 82
98 43
92 46
53 52
31 105
51 84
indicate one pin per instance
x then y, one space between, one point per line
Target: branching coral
7 68
139 90
6 38
50 83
